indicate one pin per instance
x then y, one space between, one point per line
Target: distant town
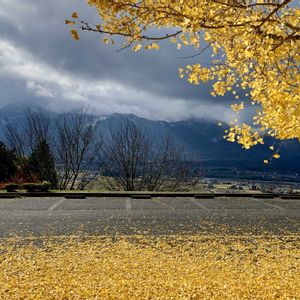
223 185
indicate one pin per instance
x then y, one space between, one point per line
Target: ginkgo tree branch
87 27
255 46
274 11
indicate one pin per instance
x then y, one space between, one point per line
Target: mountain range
203 139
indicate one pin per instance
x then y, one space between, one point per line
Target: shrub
29 187
37 187
11 187
45 186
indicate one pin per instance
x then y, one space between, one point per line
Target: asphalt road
162 216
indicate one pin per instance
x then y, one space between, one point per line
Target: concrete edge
147 195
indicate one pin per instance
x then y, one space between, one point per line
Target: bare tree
77 149
135 161
73 141
125 153
168 167
23 138
37 128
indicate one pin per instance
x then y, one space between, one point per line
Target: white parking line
199 204
59 202
128 205
268 204
157 200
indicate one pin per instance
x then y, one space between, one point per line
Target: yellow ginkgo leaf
173 40
74 15
136 48
75 35
68 22
237 107
181 266
153 46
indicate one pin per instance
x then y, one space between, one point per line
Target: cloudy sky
40 63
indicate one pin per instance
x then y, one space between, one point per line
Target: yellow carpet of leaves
139 267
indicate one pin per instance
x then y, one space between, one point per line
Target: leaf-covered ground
139 267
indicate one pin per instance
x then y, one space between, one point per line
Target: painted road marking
200 204
157 200
128 205
269 204
56 204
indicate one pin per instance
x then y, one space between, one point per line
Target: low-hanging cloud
39 58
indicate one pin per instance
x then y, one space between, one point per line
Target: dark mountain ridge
203 139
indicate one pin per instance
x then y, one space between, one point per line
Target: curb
147 195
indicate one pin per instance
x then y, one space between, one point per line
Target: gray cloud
40 62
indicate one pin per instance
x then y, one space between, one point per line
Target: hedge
37 187
12 187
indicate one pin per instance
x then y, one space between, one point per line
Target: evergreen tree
41 163
7 163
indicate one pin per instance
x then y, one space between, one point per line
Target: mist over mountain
202 139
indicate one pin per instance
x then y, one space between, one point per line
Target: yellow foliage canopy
255 46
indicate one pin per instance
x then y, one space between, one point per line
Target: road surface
32 216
